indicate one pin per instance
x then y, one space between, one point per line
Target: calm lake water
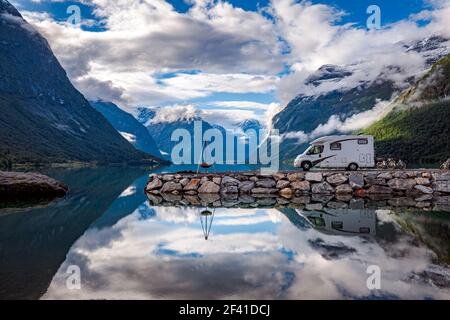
125 248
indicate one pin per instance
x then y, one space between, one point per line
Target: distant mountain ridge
43 117
306 112
128 126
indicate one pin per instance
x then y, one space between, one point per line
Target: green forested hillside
418 128
417 135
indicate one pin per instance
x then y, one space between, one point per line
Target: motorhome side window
335 146
363 141
315 150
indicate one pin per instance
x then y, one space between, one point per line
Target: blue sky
211 55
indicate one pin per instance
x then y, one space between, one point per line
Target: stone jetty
414 183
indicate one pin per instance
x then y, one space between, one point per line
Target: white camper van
349 152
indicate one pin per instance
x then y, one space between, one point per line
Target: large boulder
229 181
314 176
322 188
29 185
344 189
246 186
337 179
301 185
377 189
441 186
266 183
423 189
295 176
281 184
402 184
171 186
155 183
209 187
192 185
264 190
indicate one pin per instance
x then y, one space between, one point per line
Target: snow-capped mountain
432 48
249 124
333 94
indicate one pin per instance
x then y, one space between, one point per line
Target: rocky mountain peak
327 72
6 7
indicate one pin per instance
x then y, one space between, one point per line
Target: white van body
350 152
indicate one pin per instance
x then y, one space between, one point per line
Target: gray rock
425 197
168 177
400 174
314 206
344 189
301 185
322 188
208 198
281 184
230 189
246 186
314 176
266 183
423 181
337 205
337 179
229 181
356 180
203 180
264 190
171 186
184 181
385 175
209 187
375 181
217 180
301 200
423 189
402 184
155 183
441 186
441 176
377 189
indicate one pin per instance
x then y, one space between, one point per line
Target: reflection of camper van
350 152
344 221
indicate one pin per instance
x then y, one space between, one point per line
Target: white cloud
335 124
235 51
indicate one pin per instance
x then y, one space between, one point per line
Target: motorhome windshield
316 149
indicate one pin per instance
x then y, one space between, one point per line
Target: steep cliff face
43 117
127 125
418 127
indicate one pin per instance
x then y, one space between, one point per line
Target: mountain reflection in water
131 249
